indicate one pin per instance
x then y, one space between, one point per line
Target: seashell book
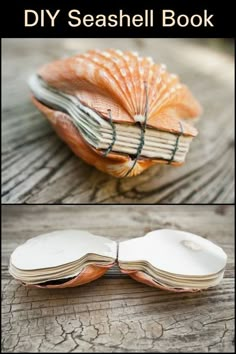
119 112
172 260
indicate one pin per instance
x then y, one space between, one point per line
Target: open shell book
168 259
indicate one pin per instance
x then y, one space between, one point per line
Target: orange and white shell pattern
121 82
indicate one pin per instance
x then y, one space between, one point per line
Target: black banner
70 18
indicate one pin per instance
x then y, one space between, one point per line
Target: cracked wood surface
115 313
39 168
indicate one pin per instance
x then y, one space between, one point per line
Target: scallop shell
87 275
122 82
144 278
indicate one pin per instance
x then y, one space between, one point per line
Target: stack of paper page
108 136
58 256
174 259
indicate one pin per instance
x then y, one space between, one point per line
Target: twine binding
176 143
142 131
113 134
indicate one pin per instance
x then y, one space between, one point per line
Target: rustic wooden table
39 168
115 313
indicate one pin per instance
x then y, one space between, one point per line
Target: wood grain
115 313
39 168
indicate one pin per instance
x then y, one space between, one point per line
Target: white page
175 252
60 247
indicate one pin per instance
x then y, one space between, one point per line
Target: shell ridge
175 100
156 88
91 60
104 65
140 86
127 73
163 85
152 87
118 81
133 71
144 72
130 69
160 87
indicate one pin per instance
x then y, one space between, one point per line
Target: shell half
60 259
173 260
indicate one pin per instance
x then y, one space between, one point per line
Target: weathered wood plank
38 168
115 313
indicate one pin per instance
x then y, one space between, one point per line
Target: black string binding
142 131
176 143
113 134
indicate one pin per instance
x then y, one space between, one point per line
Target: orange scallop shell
116 80
88 274
146 279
